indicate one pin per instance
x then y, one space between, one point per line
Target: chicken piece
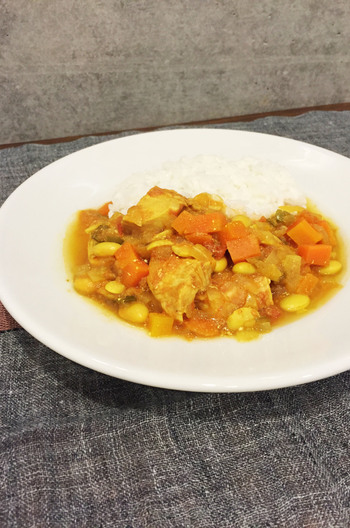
259 288
175 281
225 294
157 209
229 291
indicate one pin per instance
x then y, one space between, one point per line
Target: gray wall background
80 67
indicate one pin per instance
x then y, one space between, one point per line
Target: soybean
242 317
136 313
159 243
332 268
84 285
105 249
220 265
245 268
244 219
295 302
115 287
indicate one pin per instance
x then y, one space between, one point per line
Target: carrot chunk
187 223
304 233
133 268
181 222
212 222
133 272
234 229
317 254
242 248
307 284
126 254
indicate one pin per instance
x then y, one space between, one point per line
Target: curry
184 266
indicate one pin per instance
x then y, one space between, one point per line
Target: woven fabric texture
81 449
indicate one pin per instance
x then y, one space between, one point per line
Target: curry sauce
183 266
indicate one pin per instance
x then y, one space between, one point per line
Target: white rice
249 186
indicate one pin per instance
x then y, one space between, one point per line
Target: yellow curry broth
174 279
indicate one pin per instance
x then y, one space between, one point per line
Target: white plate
34 289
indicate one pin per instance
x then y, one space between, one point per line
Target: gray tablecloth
81 449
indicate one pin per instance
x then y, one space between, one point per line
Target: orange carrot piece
242 248
133 272
133 268
316 219
304 233
317 254
234 229
182 221
307 284
104 209
187 223
126 254
212 222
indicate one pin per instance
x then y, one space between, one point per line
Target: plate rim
36 333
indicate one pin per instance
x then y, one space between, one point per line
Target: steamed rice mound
254 187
